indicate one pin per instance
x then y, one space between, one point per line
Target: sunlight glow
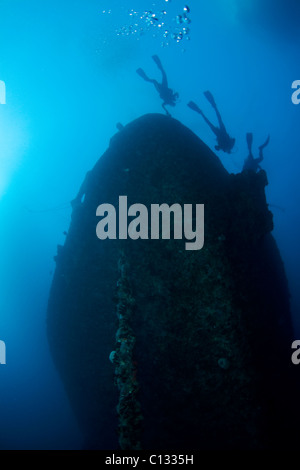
13 142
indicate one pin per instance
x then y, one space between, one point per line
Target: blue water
69 70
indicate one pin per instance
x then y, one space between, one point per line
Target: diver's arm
164 107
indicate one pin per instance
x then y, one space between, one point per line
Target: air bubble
155 22
186 20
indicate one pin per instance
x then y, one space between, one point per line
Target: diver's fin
249 138
194 107
210 98
265 143
142 74
157 61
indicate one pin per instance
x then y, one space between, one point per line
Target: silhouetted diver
166 94
225 142
252 163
